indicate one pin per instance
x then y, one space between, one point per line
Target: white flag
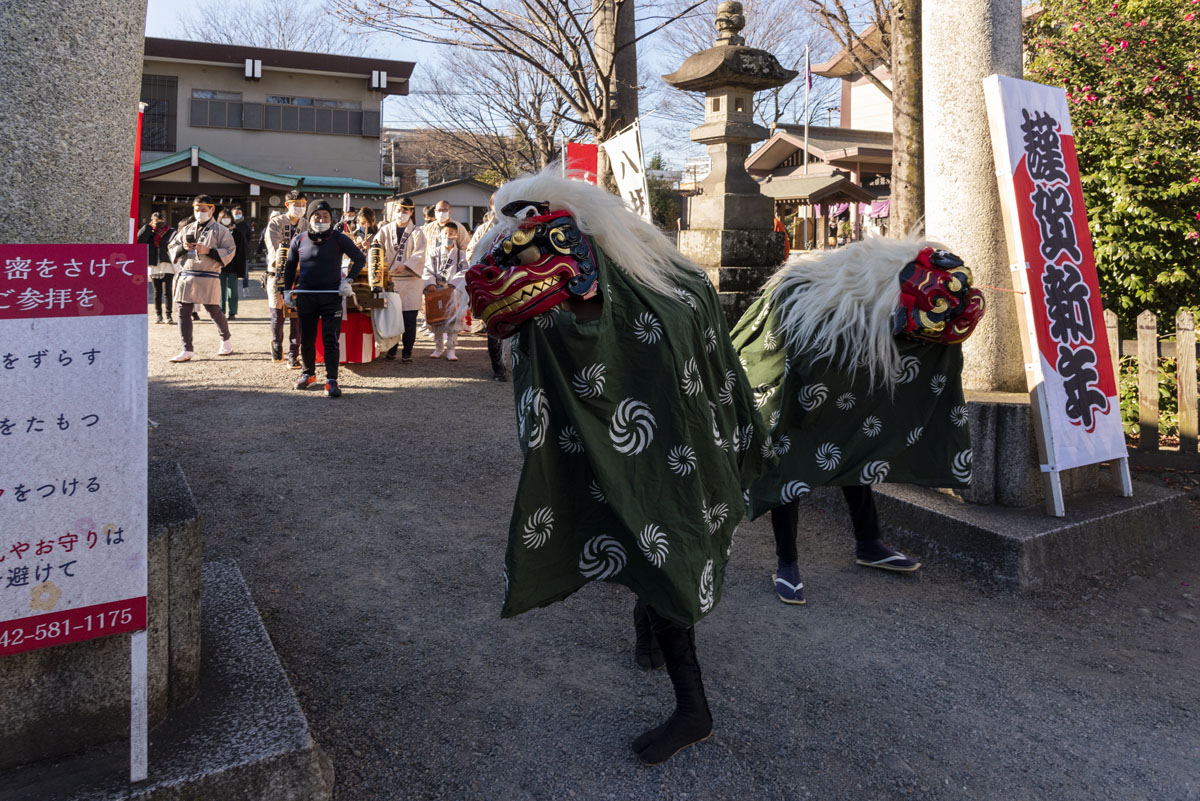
624 153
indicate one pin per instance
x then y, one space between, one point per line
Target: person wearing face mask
202 248
494 344
404 247
312 279
441 218
281 230
446 265
234 269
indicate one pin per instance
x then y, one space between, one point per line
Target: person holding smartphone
201 249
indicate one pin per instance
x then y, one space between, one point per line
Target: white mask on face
203 216
403 217
295 211
320 227
226 221
442 216
237 217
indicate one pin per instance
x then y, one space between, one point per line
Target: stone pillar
68 118
965 41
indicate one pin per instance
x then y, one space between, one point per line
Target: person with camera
280 231
156 235
201 249
312 278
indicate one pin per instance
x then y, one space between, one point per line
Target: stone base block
1005 468
739 279
731 210
63 700
244 737
1026 548
711 247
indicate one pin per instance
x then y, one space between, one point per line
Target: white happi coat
280 231
442 267
408 267
199 279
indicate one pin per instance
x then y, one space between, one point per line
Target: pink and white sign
72 443
1034 148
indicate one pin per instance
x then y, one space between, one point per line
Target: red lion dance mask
937 302
533 269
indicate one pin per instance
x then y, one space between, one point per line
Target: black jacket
320 266
237 265
155 254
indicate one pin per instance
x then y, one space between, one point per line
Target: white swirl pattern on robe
687 297
828 456
762 397
715 516
596 493
570 441
845 401
726 393
681 460
812 396
652 541
906 369
961 466
872 426
793 490
770 342
602 558
914 435
710 340
691 383
647 328
874 472
535 416
783 444
958 415
539 527
706 587
632 427
938 383
589 381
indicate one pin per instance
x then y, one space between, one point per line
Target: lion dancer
281 229
637 426
856 365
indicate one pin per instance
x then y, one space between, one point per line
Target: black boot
276 352
691 721
646 650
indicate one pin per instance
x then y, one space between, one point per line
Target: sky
162 20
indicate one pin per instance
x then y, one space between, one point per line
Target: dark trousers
185 322
229 292
859 500
162 293
325 307
495 353
277 332
409 338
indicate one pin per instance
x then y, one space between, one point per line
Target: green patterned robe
639 434
830 428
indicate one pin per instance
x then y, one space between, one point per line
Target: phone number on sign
72 626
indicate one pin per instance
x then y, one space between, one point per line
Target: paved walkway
371 530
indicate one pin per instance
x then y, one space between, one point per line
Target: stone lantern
730 221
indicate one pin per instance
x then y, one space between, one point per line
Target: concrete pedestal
1025 548
244 737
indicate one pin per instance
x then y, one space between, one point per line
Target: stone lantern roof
730 63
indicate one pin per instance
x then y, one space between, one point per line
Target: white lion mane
839 304
633 244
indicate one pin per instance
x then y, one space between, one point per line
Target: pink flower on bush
1192 235
1124 44
1188 16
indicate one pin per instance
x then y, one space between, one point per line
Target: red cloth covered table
356 344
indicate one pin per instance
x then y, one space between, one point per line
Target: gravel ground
371 530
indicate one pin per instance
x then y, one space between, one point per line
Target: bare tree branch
279 24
